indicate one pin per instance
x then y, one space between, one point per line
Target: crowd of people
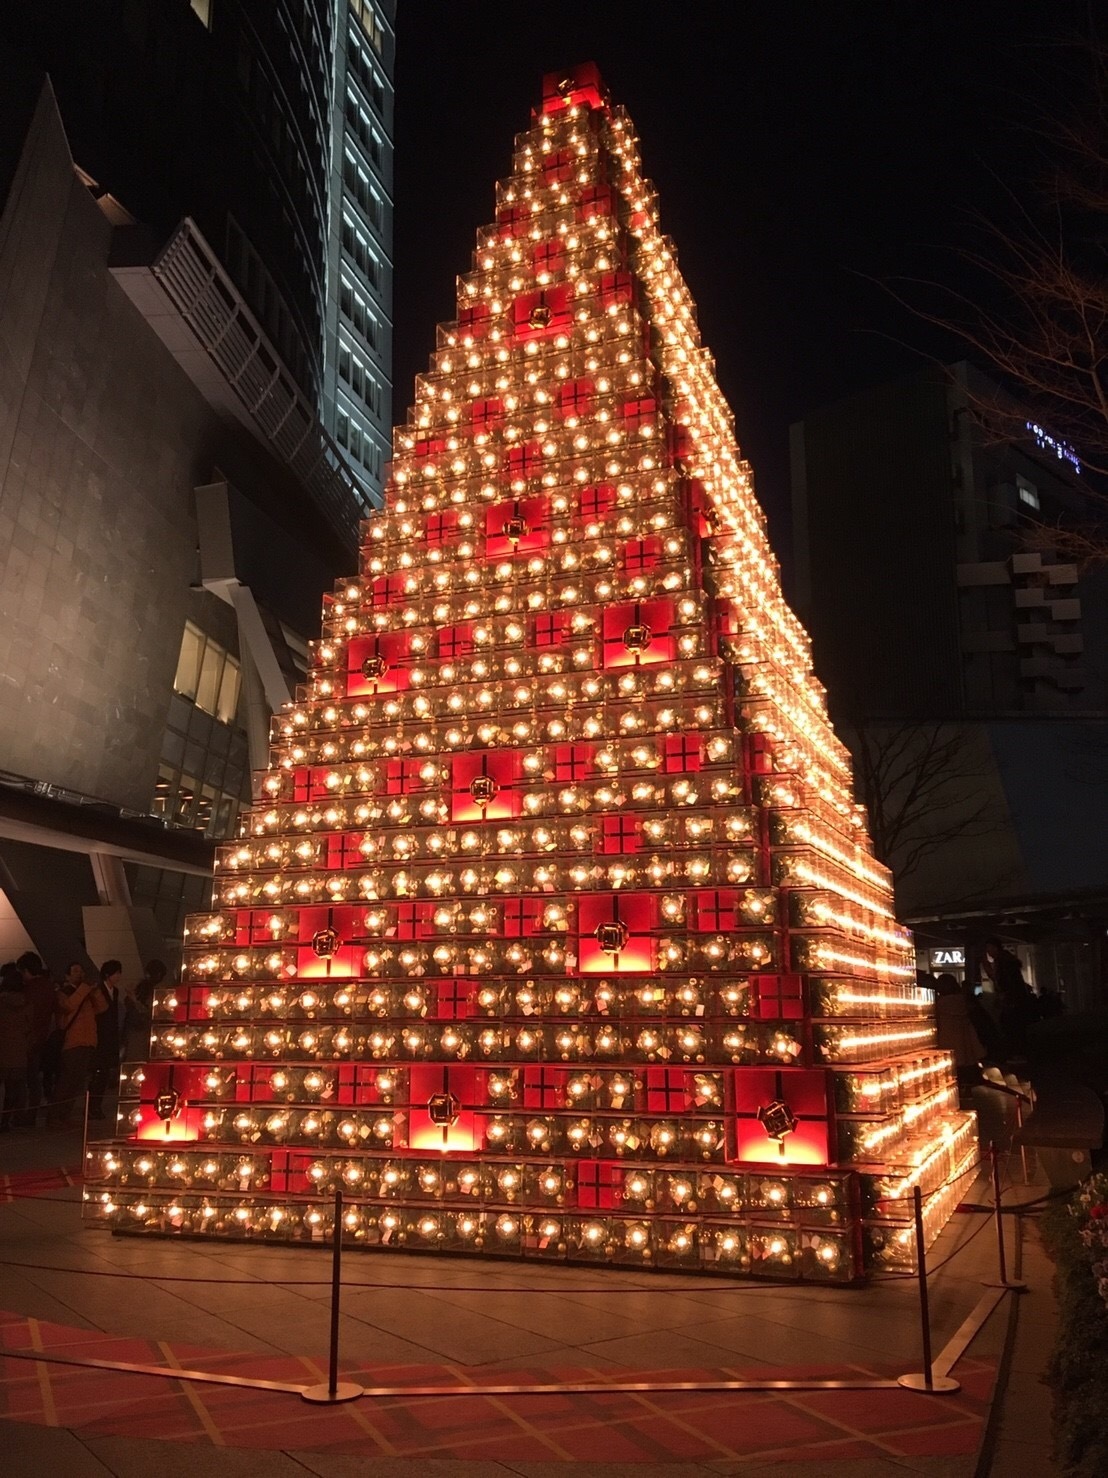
62 1040
987 1021
59 1041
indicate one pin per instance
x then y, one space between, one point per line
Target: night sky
800 151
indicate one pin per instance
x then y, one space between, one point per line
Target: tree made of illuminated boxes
555 931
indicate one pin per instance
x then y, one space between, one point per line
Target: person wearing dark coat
15 1047
1017 1006
109 1033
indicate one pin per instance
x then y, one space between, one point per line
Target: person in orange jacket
79 1003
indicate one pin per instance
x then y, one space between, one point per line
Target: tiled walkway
262 1312
607 1427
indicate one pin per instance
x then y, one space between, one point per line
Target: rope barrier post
1023 1147
1002 1280
332 1391
925 1380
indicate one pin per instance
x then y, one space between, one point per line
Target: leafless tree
1033 307
923 785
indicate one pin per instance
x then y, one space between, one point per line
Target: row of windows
358 249
262 293
361 126
359 377
358 442
358 62
358 313
262 89
358 183
207 675
169 896
183 801
370 24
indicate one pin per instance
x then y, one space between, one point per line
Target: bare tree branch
921 784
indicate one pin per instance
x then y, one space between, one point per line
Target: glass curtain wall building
357 388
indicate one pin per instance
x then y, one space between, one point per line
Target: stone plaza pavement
262 1312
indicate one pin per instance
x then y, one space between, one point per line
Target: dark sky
801 148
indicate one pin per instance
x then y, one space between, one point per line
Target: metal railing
200 289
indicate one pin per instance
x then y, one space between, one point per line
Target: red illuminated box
577 398
549 256
524 461
542 314
473 320
516 525
599 1185
325 949
579 87
522 917
682 754
620 835
486 786
441 1115
615 933
714 910
411 920
778 997
666 1092
388 590
402 777
594 202
344 851
637 633
782 1116
597 502
544 1087
374 664
614 287
573 761
638 555
442 528
452 999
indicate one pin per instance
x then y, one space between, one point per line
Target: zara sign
950 957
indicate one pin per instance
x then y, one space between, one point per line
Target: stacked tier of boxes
554 931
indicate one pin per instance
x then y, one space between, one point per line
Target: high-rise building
554 931
966 657
357 375
172 498
908 503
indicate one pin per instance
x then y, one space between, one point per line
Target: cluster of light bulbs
569 476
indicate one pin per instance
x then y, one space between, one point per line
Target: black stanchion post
1002 1280
925 1380
333 1390
1019 1136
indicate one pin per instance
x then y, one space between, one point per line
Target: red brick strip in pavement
30 1184
591 1426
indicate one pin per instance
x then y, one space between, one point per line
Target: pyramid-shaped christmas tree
555 932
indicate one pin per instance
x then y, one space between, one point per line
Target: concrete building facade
172 502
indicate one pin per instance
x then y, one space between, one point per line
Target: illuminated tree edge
555 931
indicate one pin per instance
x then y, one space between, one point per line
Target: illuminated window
211 671
359 252
1028 492
369 23
188 663
358 62
208 675
355 309
228 701
357 182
